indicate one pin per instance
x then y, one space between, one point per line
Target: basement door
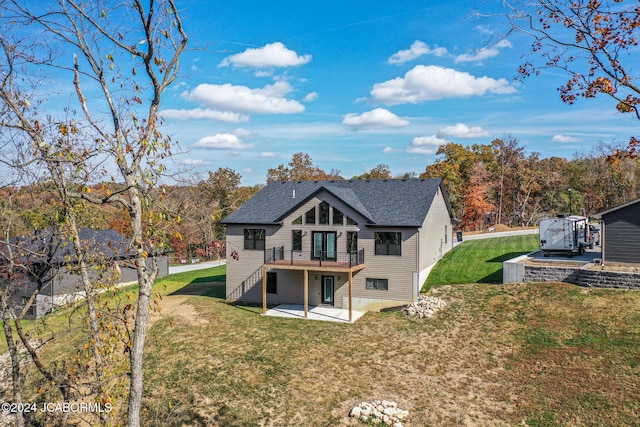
328 290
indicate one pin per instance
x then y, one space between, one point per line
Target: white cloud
271 55
243 133
484 53
222 141
206 113
195 162
429 83
373 119
310 97
460 130
564 138
426 144
268 155
247 170
388 150
504 43
268 100
416 50
178 86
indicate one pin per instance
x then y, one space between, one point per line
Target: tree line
488 184
498 183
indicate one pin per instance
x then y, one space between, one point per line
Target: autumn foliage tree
476 201
594 42
382 171
300 168
454 165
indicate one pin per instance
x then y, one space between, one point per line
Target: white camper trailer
565 234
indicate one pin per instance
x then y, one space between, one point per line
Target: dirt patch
501 227
574 264
175 305
628 268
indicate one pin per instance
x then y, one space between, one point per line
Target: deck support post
306 293
350 296
264 290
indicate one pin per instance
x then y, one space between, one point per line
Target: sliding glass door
324 245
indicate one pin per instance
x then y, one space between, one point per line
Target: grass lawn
207 282
479 261
537 354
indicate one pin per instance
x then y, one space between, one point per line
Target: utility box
566 235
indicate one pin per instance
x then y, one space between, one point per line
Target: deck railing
320 258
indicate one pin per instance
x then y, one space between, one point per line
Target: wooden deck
314 265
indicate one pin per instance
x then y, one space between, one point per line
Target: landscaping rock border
385 412
425 306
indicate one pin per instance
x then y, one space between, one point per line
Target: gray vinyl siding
420 247
283 236
397 269
245 273
435 234
622 235
290 289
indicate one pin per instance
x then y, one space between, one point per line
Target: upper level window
388 243
310 216
338 217
351 222
254 239
296 240
297 220
324 213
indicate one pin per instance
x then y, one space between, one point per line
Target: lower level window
272 283
381 284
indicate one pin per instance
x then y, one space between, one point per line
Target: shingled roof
383 202
616 208
48 245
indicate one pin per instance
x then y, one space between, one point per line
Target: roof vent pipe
293 196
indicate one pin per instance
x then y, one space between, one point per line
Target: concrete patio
328 314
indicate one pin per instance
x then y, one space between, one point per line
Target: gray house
351 244
52 264
621 233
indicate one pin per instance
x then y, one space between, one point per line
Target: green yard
479 261
536 354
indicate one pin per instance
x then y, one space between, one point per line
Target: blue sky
355 84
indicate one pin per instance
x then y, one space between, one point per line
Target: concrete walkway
199 266
329 314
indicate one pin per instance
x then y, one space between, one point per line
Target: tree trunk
16 375
145 281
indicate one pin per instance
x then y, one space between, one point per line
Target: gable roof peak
389 202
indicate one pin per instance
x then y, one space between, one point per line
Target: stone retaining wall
582 276
608 279
535 273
